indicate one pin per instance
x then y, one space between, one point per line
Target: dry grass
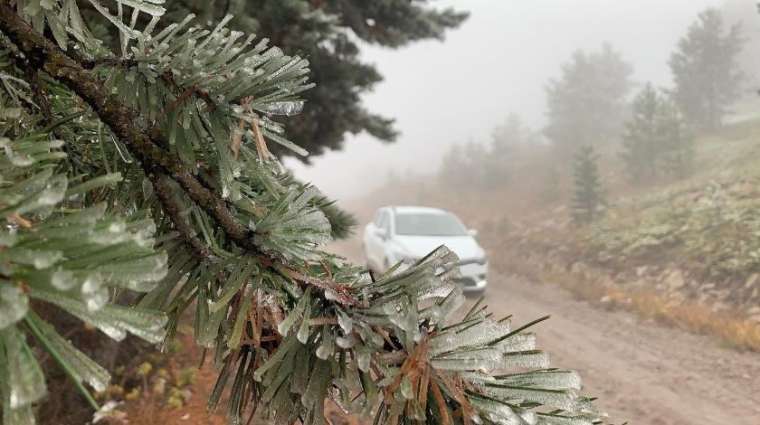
152 409
732 328
729 327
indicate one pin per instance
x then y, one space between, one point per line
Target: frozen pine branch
163 184
68 257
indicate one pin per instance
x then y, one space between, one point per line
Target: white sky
498 62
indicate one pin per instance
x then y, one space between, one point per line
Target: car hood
465 247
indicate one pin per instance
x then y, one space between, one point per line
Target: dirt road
642 372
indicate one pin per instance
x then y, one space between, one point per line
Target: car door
368 242
375 242
383 236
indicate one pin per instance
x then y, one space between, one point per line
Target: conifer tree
744 14
705 70
588 197
475 155
656 142
453 168
147 169
479 166
505 141
675 139
586 106
641 147
464 167
326 32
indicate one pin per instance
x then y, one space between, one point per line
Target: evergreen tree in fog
589 195
586 105
328 34
656 141
706 71
640 144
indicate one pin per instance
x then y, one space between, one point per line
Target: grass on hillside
707 224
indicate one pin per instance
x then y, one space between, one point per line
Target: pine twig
165 192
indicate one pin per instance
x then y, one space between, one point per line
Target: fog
497 63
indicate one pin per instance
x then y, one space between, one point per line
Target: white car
406 234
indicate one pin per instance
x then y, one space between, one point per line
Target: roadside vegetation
684 251
647 205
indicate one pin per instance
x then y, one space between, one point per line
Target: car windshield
429 225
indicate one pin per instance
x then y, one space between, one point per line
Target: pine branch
94 63
184 95
18 60
144 144
286 336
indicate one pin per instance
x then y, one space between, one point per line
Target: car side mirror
472 232
381 233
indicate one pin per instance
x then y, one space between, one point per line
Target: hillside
683 251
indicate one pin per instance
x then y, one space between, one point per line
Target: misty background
497 63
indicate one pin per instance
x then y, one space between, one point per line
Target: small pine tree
588 197
656 142
640 144
676 141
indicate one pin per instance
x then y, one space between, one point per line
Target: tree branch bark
172 207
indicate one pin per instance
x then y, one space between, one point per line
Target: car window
383 223
429 225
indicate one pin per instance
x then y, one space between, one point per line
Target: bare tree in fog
706 71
